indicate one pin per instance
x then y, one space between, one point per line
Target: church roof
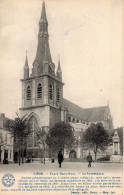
74 109
94 114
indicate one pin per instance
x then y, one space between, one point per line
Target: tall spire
26 68
43 50
43 14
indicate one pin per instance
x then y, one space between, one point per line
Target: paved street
115 168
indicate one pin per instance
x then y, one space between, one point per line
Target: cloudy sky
87 34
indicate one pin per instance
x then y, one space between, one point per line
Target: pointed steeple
59 67
43 23
43 14
26 68
43 50
26 60
59 71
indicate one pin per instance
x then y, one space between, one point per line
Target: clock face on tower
36 64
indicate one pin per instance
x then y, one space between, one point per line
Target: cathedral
42 94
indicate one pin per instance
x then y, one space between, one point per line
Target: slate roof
74 109
96 114
89 114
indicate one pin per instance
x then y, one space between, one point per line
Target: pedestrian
60 158
89 159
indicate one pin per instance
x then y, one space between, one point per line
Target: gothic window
50 91
73 121
39 91
58 94
28 92
77 121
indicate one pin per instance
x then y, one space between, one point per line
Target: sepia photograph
61 127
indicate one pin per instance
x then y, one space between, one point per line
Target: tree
42 135
96 137
60 137
20 129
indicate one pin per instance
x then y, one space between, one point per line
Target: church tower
42 90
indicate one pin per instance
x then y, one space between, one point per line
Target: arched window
28 92
69 119
39 91
58 94
73 120
50 91
77 121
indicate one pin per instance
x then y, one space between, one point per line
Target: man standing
60 158
89 159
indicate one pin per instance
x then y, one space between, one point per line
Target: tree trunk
44 155
95 152
95 156
19 153
22 156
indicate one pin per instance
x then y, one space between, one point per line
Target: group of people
60 159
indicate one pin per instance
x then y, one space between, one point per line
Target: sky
87 34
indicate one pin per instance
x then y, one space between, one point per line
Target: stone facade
6 141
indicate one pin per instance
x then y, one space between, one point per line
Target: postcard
61 129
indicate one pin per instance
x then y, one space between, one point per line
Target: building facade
42 94
6 141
